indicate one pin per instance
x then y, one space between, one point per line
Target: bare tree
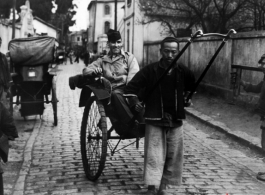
209 15
256 8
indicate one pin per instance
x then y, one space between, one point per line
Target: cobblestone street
53 165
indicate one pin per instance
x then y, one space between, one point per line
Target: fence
243 49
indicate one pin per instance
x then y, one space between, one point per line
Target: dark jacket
146 78
259 88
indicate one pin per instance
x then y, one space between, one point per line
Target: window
107 10
107 27
78 38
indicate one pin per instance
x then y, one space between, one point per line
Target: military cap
113 35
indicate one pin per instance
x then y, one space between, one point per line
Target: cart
34 75
97 128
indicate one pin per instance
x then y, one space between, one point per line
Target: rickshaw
33 61
97 128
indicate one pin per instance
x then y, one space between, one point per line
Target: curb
27 160
241 137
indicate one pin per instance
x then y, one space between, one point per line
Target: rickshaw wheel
94 139
54 102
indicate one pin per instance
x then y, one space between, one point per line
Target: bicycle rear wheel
94 139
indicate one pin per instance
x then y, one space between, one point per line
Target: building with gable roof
101 19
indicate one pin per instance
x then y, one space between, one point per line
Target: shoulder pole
226 37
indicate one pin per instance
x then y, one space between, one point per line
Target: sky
81 16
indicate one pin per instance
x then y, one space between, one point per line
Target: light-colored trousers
163 162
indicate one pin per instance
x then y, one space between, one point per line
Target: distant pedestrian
164 112
70 55
259 88
77 56
86 58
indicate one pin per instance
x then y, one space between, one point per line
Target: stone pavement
52 164
17 150
239 121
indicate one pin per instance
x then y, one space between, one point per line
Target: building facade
136 34
101 19
76 38
43 28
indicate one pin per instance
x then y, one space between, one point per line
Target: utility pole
94 30
115 19
14 19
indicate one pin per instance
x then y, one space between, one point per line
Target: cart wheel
54 102
94 139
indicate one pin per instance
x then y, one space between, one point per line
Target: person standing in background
259 88
71 56
86 58
77 55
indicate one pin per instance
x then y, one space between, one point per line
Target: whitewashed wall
43 28
6 35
